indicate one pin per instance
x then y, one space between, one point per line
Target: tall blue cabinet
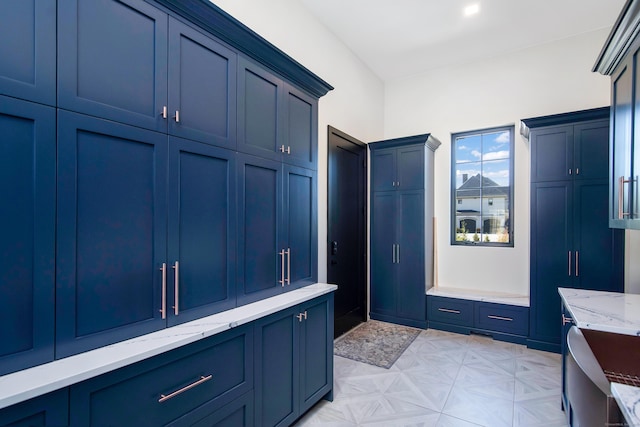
402 228
161 163
571 243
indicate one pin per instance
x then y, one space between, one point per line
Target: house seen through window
482 187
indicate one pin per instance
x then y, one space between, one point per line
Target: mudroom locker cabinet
401 228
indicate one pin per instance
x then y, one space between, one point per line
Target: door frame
363 294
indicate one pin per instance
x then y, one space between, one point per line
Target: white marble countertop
29 383
628 398
495 297
603 311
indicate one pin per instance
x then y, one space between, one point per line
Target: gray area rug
376 343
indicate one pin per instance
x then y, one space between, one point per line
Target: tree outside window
482 187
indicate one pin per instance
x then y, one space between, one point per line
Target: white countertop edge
602 311
32 382
628 397
483 296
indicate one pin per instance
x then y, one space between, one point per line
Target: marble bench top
485 296
29 383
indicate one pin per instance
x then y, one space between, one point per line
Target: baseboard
422 324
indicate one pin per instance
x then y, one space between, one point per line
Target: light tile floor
447 380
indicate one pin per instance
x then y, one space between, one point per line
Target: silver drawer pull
183 389
508 319
446 310
566 319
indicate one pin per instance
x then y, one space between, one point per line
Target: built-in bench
504 317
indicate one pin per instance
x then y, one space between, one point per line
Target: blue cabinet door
28 51
260 107
261 257
301 128
27 172
383 256
202 230
384 165
410 173
277 361
202 87
590 149
598 250
552 153
49 410
299 229
111 232
552 258
316 351
112 60
410 256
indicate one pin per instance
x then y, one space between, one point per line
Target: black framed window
482 187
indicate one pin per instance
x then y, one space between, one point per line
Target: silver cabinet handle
288 266
163 308
393 254
285 150
281 281
202 379
566 320
176 292
569 257
507 319
398 254
448 310
577 263
177 116
301 316
164 112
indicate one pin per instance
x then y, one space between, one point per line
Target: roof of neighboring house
490 188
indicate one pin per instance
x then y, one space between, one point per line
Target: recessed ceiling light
472 9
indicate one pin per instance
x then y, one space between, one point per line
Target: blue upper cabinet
202 87
301 129
112 60
202 224
27 246
111 232
275 120
28 50
398 169
134 64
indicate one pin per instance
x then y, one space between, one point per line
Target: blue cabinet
201 230
294 361
202 87
27 264
190 382
28 66
111 232
49 410
275 120
571 242
146 232
401 237
130 62
277 230
504 322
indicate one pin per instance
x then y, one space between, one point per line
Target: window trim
452 176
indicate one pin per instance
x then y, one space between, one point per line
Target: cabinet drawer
213 371
510 319
450 310
238 413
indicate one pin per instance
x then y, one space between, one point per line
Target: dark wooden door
346 228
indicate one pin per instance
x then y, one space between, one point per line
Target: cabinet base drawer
153 392
509 319
450 310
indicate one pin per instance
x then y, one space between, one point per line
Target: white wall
355 106
542 80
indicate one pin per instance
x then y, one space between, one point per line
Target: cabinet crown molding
622 35
561 119
427 139
228 29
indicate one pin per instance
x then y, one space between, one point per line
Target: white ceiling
405 37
